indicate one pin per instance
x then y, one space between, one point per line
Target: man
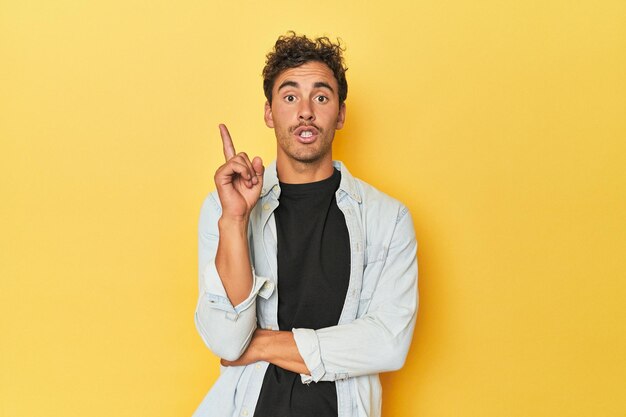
308 276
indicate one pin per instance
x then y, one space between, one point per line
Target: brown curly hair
291 51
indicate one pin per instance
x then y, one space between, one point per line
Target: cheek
331 116
281 117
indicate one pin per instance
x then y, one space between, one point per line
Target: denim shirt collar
347 185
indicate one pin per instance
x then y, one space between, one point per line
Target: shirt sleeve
379 340
224 328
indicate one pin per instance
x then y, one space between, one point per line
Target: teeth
306 134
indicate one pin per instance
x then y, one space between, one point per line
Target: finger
258 169
257 166
243 157
227 142
237 362
226 172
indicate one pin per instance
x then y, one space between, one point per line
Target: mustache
293 128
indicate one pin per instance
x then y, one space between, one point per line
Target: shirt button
269 328
244 412
266 207
258 366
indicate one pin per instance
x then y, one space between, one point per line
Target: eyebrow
319 84
288 84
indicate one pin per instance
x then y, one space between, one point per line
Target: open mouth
306 134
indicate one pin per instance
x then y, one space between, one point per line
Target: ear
341 118
269 120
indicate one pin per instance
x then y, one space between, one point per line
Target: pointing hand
238 181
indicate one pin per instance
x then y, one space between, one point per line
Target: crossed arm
277 347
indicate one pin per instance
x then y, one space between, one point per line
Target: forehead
307 74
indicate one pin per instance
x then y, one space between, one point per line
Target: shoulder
374 200
369 198
385 220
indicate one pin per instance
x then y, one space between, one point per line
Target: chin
306 159
308 154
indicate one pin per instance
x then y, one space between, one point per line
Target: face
305 113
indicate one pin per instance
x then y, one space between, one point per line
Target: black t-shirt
313 275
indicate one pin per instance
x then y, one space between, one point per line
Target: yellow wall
502 125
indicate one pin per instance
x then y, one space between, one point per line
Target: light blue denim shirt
376 324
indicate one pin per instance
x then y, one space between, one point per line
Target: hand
238 181
253 352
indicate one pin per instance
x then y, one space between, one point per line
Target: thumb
257 165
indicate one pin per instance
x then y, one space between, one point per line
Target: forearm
232 259
226 328
281 350
277 347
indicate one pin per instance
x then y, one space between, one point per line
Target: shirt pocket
372 267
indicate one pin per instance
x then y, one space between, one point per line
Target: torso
313 275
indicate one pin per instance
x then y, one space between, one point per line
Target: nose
305 112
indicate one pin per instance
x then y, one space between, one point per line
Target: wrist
233 223
264 340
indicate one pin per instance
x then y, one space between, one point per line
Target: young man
308 276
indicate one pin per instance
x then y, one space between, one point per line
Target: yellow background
502 125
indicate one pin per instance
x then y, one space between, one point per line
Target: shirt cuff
309 348
216 294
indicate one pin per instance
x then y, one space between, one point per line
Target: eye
321 99
290 98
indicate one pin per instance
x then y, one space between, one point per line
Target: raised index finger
227 142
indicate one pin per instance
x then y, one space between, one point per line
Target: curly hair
291 51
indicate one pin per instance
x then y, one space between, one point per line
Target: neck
295 172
